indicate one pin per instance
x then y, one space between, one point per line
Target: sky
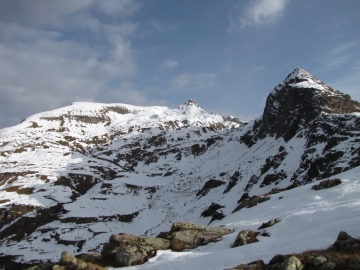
226 55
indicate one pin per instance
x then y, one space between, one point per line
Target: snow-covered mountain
71 177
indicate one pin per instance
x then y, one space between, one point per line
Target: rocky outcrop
250 202
345 242
188 235
327 184
245 237
284 115
213 212
127 249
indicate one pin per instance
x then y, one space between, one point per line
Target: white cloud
169 64
44 68
259 12
190 81
118 7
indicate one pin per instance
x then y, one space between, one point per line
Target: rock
127 249
319 260
250 266
68 260
292 263
269 223
354 264
43 266
254 200
56 267
245 237
345 242
328 266
188 235
327 184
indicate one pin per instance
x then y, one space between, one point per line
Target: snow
310 220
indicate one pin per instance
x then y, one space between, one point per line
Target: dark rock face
209 185
212 211
345 242
250 202
294 103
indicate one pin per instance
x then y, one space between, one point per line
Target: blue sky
226 55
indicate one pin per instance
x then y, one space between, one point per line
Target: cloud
258 12
188 81
45 66
169 64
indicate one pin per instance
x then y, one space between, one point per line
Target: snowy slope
78 174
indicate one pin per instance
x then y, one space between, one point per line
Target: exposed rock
212 212
250 266
188 235
43 266
254 200
292 263
209 185
354 264
127 249
319 260
345 242
245 237
68 260
329 266
269 223
327 184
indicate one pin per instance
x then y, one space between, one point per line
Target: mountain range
71 177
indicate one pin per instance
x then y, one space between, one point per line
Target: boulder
68 260
319 260
245 237
127 249
188 235
328 266
250 266
345 242
250 202
327 184
354 264
292 263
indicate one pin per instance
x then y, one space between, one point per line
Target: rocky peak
296 101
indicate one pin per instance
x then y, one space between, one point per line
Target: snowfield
310 220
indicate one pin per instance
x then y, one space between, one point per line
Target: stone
188 235
269 223
327 184
354 264
292 263
328 266
245 237
68 260
43 266
250 266
345 242
319 260
127 249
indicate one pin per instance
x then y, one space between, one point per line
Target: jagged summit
298 100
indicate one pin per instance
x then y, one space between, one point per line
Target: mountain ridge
89 169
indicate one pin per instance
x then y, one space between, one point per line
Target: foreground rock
343 254
127 249
345 242
188 235
245 237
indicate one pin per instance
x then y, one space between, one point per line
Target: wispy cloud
258 12
188 81
169 64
